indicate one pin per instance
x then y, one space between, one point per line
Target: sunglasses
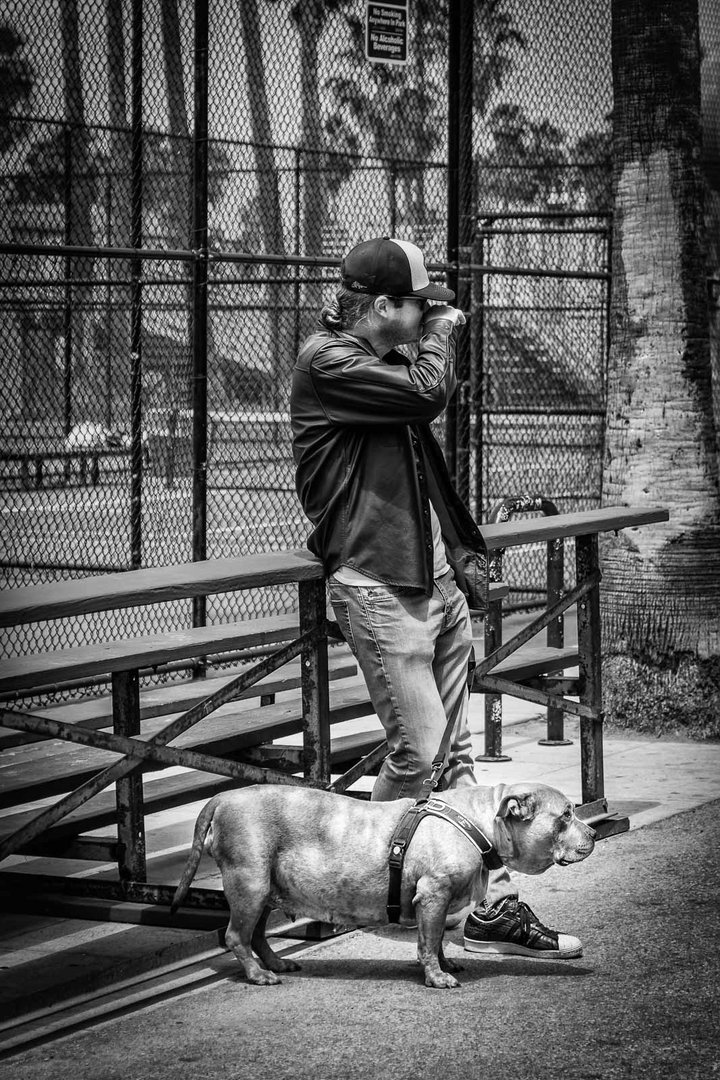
418 300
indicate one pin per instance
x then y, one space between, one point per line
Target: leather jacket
367 462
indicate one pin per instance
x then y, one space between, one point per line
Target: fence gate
537 383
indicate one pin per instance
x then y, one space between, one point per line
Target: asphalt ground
641 1003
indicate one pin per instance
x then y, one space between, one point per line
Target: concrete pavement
644 903
641 1004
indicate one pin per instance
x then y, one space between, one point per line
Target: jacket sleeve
355 386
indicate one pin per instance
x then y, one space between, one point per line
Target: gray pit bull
325 856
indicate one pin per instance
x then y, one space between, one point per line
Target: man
373 482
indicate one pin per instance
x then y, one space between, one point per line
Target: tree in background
527 164
279 298
309 17
393 113
117 194
399 113
80 192
661 585
16 83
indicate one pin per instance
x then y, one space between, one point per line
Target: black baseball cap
388 267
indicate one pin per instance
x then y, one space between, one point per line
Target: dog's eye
568 813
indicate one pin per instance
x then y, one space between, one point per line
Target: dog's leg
260 944
431 910
446 964
247 909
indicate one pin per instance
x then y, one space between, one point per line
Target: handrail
581 523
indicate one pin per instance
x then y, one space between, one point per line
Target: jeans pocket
342 614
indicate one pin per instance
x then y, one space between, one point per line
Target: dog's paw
285 965
264 978
441 980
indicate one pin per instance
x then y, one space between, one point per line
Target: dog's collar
403 834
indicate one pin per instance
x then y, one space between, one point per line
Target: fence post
493 702
136 289
555 632
200 300
460 221
502 511
129 788
588 626
315 689
68 293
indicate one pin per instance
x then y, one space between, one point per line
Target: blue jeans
413 651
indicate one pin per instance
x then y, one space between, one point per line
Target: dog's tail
202 827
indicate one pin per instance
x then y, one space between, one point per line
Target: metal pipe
547 215
486 665
136 214
200 303
523 271
588 627
129 799
539 697
108 306
600 230
477 376
453 205
466 228
295 280
68 305
366 764
186 255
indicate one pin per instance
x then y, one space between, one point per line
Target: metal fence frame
464 425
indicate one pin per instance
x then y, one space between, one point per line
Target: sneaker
512 928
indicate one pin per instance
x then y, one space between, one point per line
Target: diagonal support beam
140 751
496 685
361 768
484 666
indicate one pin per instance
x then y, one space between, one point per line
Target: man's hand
441 319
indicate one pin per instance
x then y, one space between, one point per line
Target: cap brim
434 292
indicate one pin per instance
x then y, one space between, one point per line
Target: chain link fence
170 227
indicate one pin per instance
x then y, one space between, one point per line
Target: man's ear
520 806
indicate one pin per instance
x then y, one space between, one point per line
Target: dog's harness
427 806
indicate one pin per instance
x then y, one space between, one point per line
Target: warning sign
386 32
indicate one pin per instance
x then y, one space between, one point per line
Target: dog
325 856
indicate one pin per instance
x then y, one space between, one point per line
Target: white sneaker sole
509 948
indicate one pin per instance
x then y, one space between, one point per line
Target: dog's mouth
579 855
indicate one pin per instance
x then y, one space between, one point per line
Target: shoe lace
526 917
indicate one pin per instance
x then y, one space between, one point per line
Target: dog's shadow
357 969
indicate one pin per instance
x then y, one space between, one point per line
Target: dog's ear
518 805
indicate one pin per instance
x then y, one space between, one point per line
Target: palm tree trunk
87 379
179 183
118 220
661 606
278 296
309 18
